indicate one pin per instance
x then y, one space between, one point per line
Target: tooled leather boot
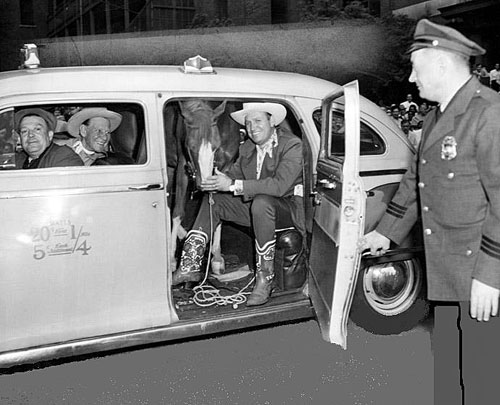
264 274
191 258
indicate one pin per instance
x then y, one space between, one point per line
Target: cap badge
435 42
449 148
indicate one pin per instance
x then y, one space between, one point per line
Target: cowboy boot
264 274
191 259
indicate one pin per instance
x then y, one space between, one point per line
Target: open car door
339 215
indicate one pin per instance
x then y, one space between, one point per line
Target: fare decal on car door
59 238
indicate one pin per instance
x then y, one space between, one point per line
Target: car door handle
329 185
146 187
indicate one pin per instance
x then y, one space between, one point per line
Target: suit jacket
53 156
454 185
279 175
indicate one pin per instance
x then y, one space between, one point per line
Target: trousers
466 357
263 213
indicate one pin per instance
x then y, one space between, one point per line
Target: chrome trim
298 310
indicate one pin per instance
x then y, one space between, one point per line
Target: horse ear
219 110
188 116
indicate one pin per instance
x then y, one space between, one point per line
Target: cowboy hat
87 113
276 110
49 118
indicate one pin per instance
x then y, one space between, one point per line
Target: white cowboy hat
276 110
80 117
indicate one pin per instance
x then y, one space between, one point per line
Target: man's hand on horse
376 242
217 182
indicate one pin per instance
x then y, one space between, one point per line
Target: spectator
495 78
395 114
482 74
409 101
405 126
420 115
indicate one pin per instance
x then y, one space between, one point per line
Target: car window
121 141
174 126
370 142
179 146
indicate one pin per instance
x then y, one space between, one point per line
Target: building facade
477 19
90 17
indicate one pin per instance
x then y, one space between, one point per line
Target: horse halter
191 169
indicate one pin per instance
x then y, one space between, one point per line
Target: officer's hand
483 301
376 242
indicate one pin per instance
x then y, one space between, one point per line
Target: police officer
454 185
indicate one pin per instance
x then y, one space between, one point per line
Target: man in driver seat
262 189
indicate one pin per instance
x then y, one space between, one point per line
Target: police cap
431 35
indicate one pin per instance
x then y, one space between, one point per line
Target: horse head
203 138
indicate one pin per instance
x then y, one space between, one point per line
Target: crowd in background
409 116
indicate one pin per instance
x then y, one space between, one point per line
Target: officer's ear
272 121
51 135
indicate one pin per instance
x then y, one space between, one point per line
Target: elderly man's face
96 135
426 74
35 135
259 127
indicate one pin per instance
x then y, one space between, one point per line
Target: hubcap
392 288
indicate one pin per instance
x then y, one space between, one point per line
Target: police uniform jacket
280 174
454 184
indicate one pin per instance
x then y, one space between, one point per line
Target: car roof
161 78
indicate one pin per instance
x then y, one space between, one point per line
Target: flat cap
431 35
49 118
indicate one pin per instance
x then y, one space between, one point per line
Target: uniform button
451 175
425 208
421 185
468 252
423 161
428 231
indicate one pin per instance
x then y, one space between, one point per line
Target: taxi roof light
197 64
29 55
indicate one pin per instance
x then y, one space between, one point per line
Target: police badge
449 148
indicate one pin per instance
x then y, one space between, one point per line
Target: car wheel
390 297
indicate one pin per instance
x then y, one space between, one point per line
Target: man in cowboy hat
91 129
454 186
35 127
262 189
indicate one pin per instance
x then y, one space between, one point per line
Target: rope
206 295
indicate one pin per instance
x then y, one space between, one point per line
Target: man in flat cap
91 129
262 189
454 186
35 127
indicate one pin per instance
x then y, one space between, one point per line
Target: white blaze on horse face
206 160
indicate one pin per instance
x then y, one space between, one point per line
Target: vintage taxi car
84 263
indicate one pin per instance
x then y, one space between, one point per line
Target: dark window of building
27 12
117 16
279 11
99 13
222 8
